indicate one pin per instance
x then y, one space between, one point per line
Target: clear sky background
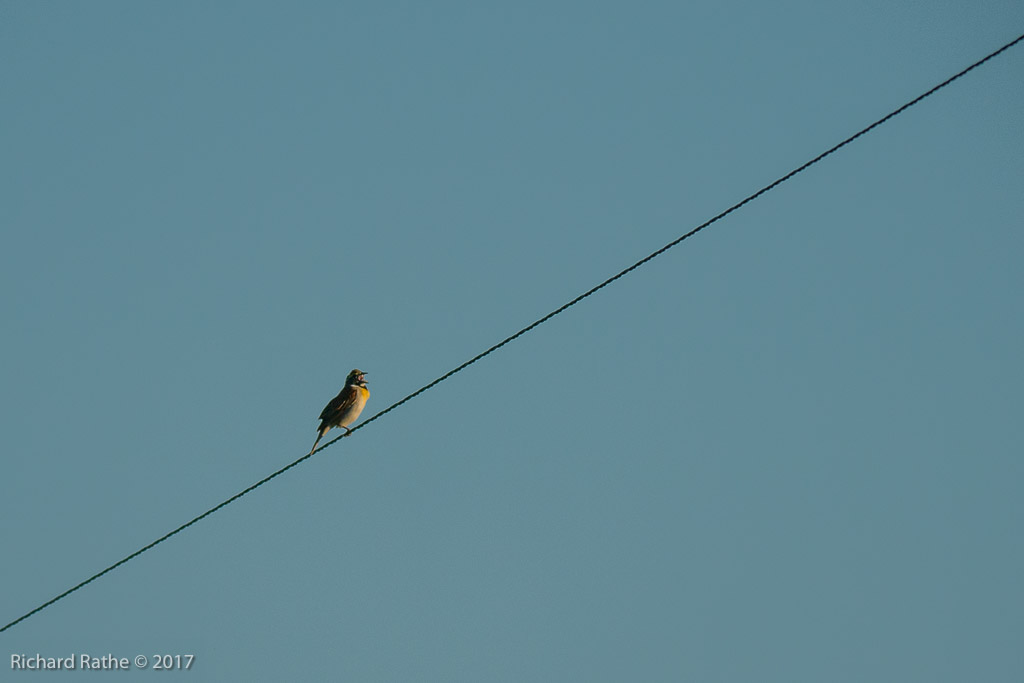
790 449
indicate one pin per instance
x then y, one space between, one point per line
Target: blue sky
787 450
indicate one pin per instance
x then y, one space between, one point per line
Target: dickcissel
344 408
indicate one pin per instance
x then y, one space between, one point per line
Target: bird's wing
338 404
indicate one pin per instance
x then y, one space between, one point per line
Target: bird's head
357 377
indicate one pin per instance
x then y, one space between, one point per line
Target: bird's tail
319 436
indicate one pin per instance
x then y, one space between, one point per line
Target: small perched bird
344 408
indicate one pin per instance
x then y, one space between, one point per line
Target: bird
344 408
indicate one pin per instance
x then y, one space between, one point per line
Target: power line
526 329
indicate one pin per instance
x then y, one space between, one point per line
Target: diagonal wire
528 328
